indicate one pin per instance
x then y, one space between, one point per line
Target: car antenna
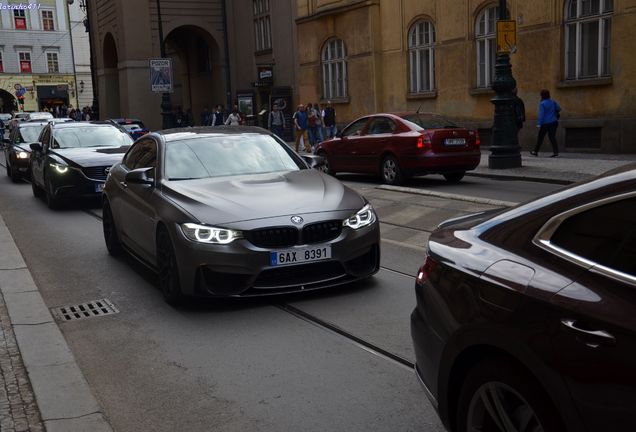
418 109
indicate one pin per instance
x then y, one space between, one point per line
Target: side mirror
36 147
140 176
314 162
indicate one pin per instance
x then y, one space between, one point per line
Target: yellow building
438 55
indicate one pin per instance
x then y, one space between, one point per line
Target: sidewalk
41 386
565 169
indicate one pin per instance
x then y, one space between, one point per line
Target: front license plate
455 141
300 255
99 187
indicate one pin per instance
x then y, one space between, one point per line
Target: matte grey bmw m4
233 211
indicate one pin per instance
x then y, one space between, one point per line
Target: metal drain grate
95 308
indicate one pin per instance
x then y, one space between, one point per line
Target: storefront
26 92
51 96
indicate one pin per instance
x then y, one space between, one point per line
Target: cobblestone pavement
18 409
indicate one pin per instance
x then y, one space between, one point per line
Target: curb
524 178
466 198
63 395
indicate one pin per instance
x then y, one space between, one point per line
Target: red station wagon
400 145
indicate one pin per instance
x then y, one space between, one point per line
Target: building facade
36 59
262 45
81 54
437 55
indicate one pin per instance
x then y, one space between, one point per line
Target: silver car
233 211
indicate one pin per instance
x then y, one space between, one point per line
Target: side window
143 154
605 235
45 137
382 125
355 128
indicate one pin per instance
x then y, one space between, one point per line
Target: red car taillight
424 141
477 139
427 268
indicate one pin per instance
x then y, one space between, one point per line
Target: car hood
91 156
244 198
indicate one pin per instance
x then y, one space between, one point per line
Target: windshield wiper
184 178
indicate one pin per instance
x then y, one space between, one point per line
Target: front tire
498 392
168 269
51 200
110 231
391 172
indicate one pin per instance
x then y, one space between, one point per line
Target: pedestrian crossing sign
506 36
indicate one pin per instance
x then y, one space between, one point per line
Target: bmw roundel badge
297 220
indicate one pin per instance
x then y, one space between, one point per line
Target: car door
595 347
135 207
343 152
38 158
370 146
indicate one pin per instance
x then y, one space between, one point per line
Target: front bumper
241 269
74 184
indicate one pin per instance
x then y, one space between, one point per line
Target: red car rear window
430 122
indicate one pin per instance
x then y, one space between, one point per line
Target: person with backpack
547 122
276 121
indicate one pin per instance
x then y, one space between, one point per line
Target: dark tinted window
355 128
381 125
142 155
605 235
227 155
428 121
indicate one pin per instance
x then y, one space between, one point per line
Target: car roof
32 123
203 131
60 125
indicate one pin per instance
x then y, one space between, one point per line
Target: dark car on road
526 318
72 160
134 127
17 150
233 211
399 145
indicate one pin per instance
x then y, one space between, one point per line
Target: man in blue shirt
547 122
301 122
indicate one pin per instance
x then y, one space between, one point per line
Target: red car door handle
589 336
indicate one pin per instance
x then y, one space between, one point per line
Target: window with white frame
48 23
262 25
334 70
486 45
52 62
19 19
422 57
25 61
588 27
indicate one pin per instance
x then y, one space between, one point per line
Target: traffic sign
506 36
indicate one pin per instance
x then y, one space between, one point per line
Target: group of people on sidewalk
547 120
314 124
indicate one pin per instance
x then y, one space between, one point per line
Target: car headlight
60 168
208 234
364 217
22 155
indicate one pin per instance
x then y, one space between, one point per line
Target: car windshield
227 155
423 121
94 136
29 134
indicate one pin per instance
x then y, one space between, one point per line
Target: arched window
588 26
485 40
422 57
334 70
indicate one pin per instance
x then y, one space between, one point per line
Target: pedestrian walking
311 125
319 123
520 109
329 120
276 121
547 122
301 124
205 117
234 119
217 116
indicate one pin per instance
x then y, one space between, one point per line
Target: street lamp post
83 4
166 104
505 148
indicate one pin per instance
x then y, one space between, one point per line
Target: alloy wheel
110 231
497 407
391 173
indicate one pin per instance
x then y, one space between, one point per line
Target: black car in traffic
17 150
72 160
526 318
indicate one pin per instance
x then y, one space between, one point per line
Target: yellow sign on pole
506 36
